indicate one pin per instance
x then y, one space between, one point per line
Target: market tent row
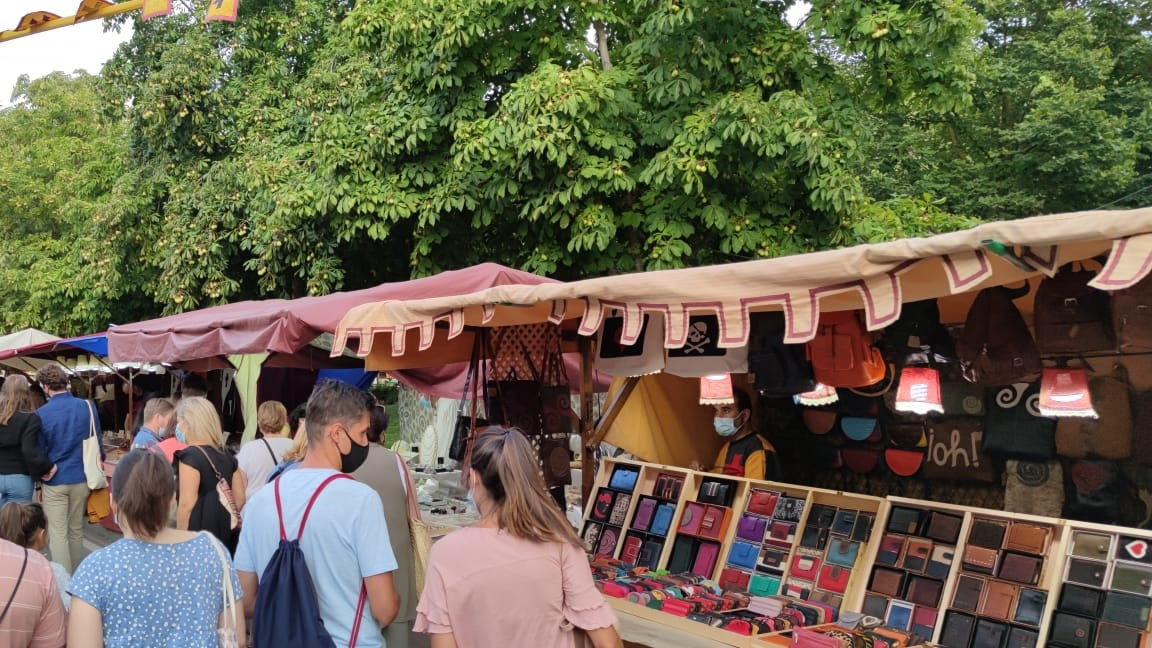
876 278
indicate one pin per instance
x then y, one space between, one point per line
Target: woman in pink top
518 576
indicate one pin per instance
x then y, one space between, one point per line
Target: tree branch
602 44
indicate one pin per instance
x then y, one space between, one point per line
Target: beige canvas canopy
877 278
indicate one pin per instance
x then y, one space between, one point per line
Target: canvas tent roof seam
873 274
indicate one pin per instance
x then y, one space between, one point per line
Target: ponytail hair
20 522
507 468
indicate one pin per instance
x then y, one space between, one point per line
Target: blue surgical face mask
725 427
472 500
179 434
160 432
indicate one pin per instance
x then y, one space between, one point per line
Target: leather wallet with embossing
1073 631
1136 549
1084 601
715 492
916 555
620 509
762 502
889 582
957 630
631 551
668 486
1091 545
941 562
989 633
998 599
1026 537
713 525
924 591
981 559
1126 609
1086 572
987 533
905 520
1109 635
1019 568
608 538
1030 607
602 507
789 509
944 527
967 596
891 549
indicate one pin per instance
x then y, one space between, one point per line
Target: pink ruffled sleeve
432 612
584 605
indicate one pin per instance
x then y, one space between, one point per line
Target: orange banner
155 8
222 10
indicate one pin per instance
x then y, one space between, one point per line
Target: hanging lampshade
716 389
919 391
822 395
1064 394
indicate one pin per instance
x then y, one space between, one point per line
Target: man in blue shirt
345 542
65 421
157 423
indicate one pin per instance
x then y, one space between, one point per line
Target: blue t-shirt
155 595
345 541
145 438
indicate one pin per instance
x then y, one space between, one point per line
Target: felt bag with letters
954 451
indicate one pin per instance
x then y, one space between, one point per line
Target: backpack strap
307 509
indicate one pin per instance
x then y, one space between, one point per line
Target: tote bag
93 465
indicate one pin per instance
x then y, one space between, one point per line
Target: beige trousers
66 506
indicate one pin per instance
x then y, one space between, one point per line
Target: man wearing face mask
345 542
157 421
745 453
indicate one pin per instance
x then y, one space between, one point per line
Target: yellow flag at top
155 8
222 10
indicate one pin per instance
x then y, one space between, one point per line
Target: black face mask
356 455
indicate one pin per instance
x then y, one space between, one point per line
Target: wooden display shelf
675 624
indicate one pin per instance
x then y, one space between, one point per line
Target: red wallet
805 567
834 578
762 502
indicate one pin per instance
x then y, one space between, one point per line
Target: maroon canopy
282 325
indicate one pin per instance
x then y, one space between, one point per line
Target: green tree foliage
61 268
317 145
1061 118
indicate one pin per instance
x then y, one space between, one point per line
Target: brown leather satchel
996 347
1071 316
1106 437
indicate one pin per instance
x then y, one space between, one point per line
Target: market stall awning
282 326
877 278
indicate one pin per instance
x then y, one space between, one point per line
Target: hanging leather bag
1132 316
462 433
780 370
1013 426
1071 316
996 347
842 354
1106 437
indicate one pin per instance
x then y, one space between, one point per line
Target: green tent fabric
247 375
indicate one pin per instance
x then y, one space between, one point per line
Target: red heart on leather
1138 549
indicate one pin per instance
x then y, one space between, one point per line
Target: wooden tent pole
587 457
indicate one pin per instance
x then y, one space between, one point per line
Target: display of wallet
904 520
789 509
1070 631
1114 636
900 615
650 553
967 595
891 549
734 579
631 551
1091 545
1022 638
924 591
862 530
691 518
713 491
705 561
924 621
814 538
821 516
1126 609
1026 537
833 578
591 535
668 486
1135 579
916 555
875 605
773 558
762 502
944 527
842 552
804 567
989 633
620 509
957 630
1030 607
1135 549
662 518
941 562
1086 572
752 528
844 521
642 519
712 524
889 582
683 552
1019 568
987 533
743 555
602 505
1084 601
781 534
608 538
981 559
998 599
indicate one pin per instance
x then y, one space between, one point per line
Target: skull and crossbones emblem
697 338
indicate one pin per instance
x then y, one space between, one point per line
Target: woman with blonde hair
200 467
260 456
22 461
518 576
